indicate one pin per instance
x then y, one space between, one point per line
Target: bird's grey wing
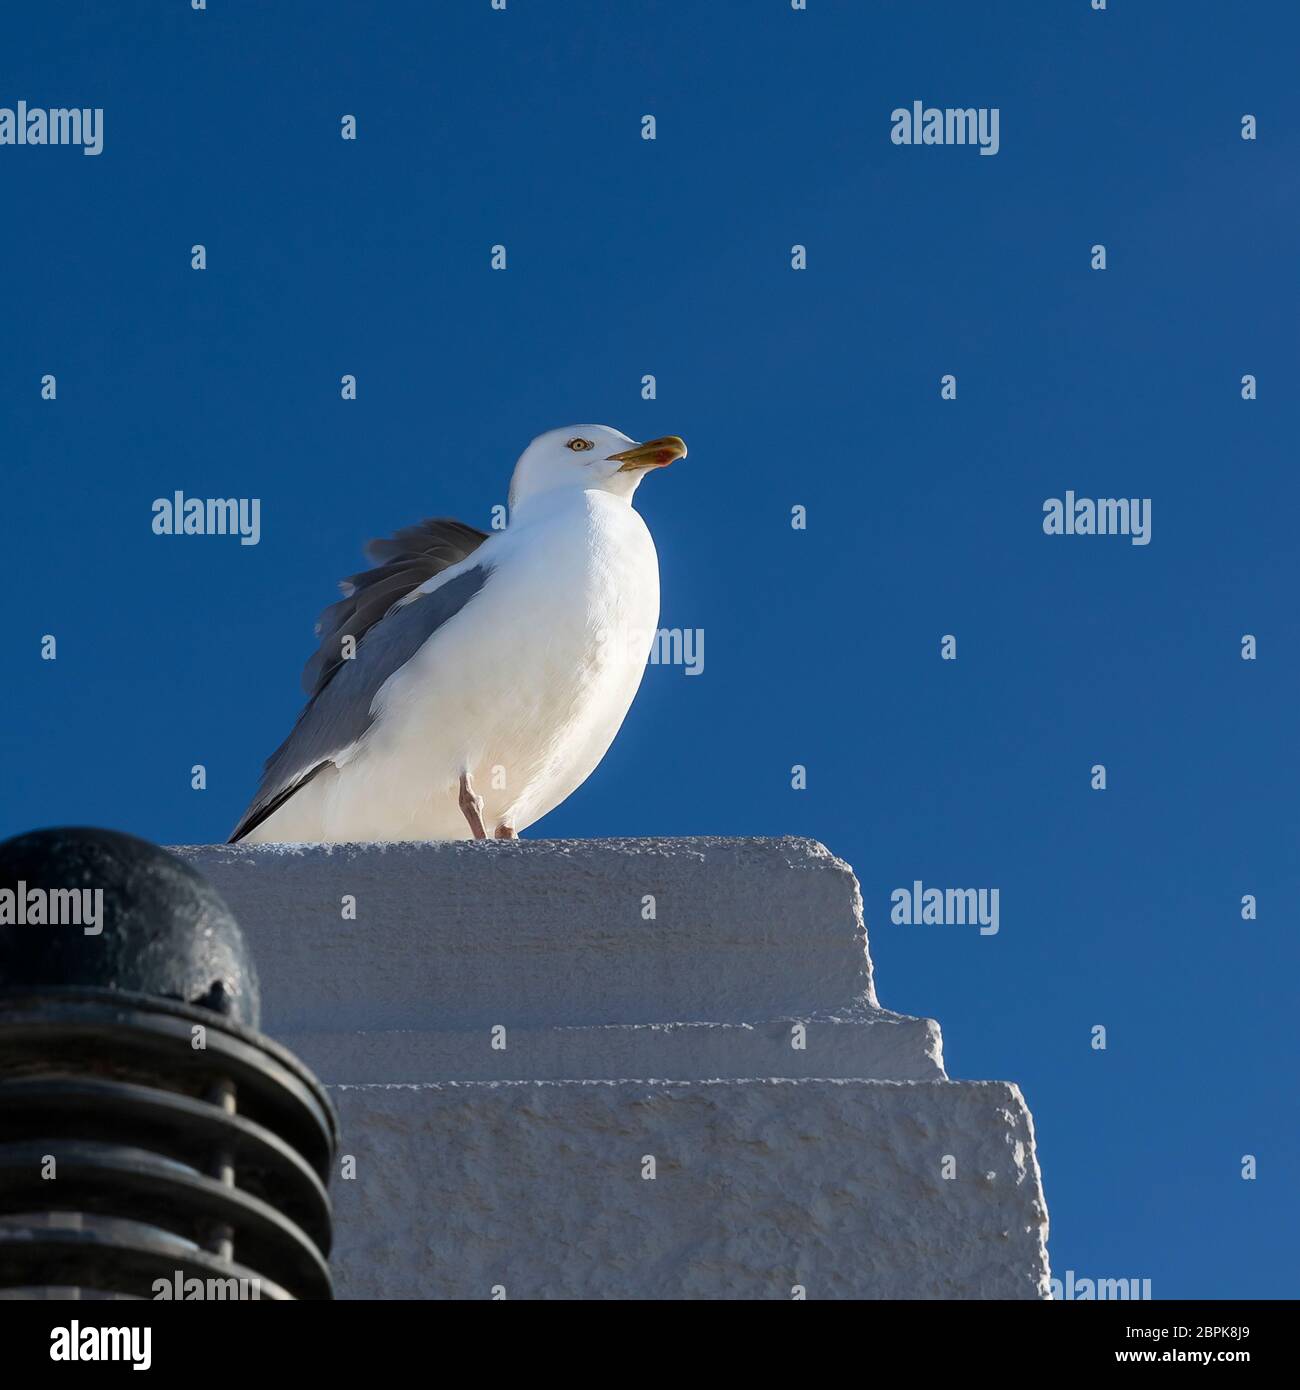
339 711
402 563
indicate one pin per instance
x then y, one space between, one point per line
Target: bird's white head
586 458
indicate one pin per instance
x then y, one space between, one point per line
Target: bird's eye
579 445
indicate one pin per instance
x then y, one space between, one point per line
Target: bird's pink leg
505 832
472 807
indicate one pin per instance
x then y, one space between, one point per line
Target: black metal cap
161 928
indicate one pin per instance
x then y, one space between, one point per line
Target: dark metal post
148 1131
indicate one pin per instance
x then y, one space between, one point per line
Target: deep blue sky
821 388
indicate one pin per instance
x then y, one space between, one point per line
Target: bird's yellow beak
656 453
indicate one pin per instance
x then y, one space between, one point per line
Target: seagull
469 683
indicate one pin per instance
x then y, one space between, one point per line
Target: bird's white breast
525 687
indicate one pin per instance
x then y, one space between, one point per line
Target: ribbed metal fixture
149 1134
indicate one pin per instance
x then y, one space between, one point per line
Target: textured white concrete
508 1038
458 934
870 1043
759 1186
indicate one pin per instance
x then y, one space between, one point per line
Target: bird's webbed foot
471 805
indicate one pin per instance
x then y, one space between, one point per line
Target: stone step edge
890 1048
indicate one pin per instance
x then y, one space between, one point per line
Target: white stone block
509 1037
